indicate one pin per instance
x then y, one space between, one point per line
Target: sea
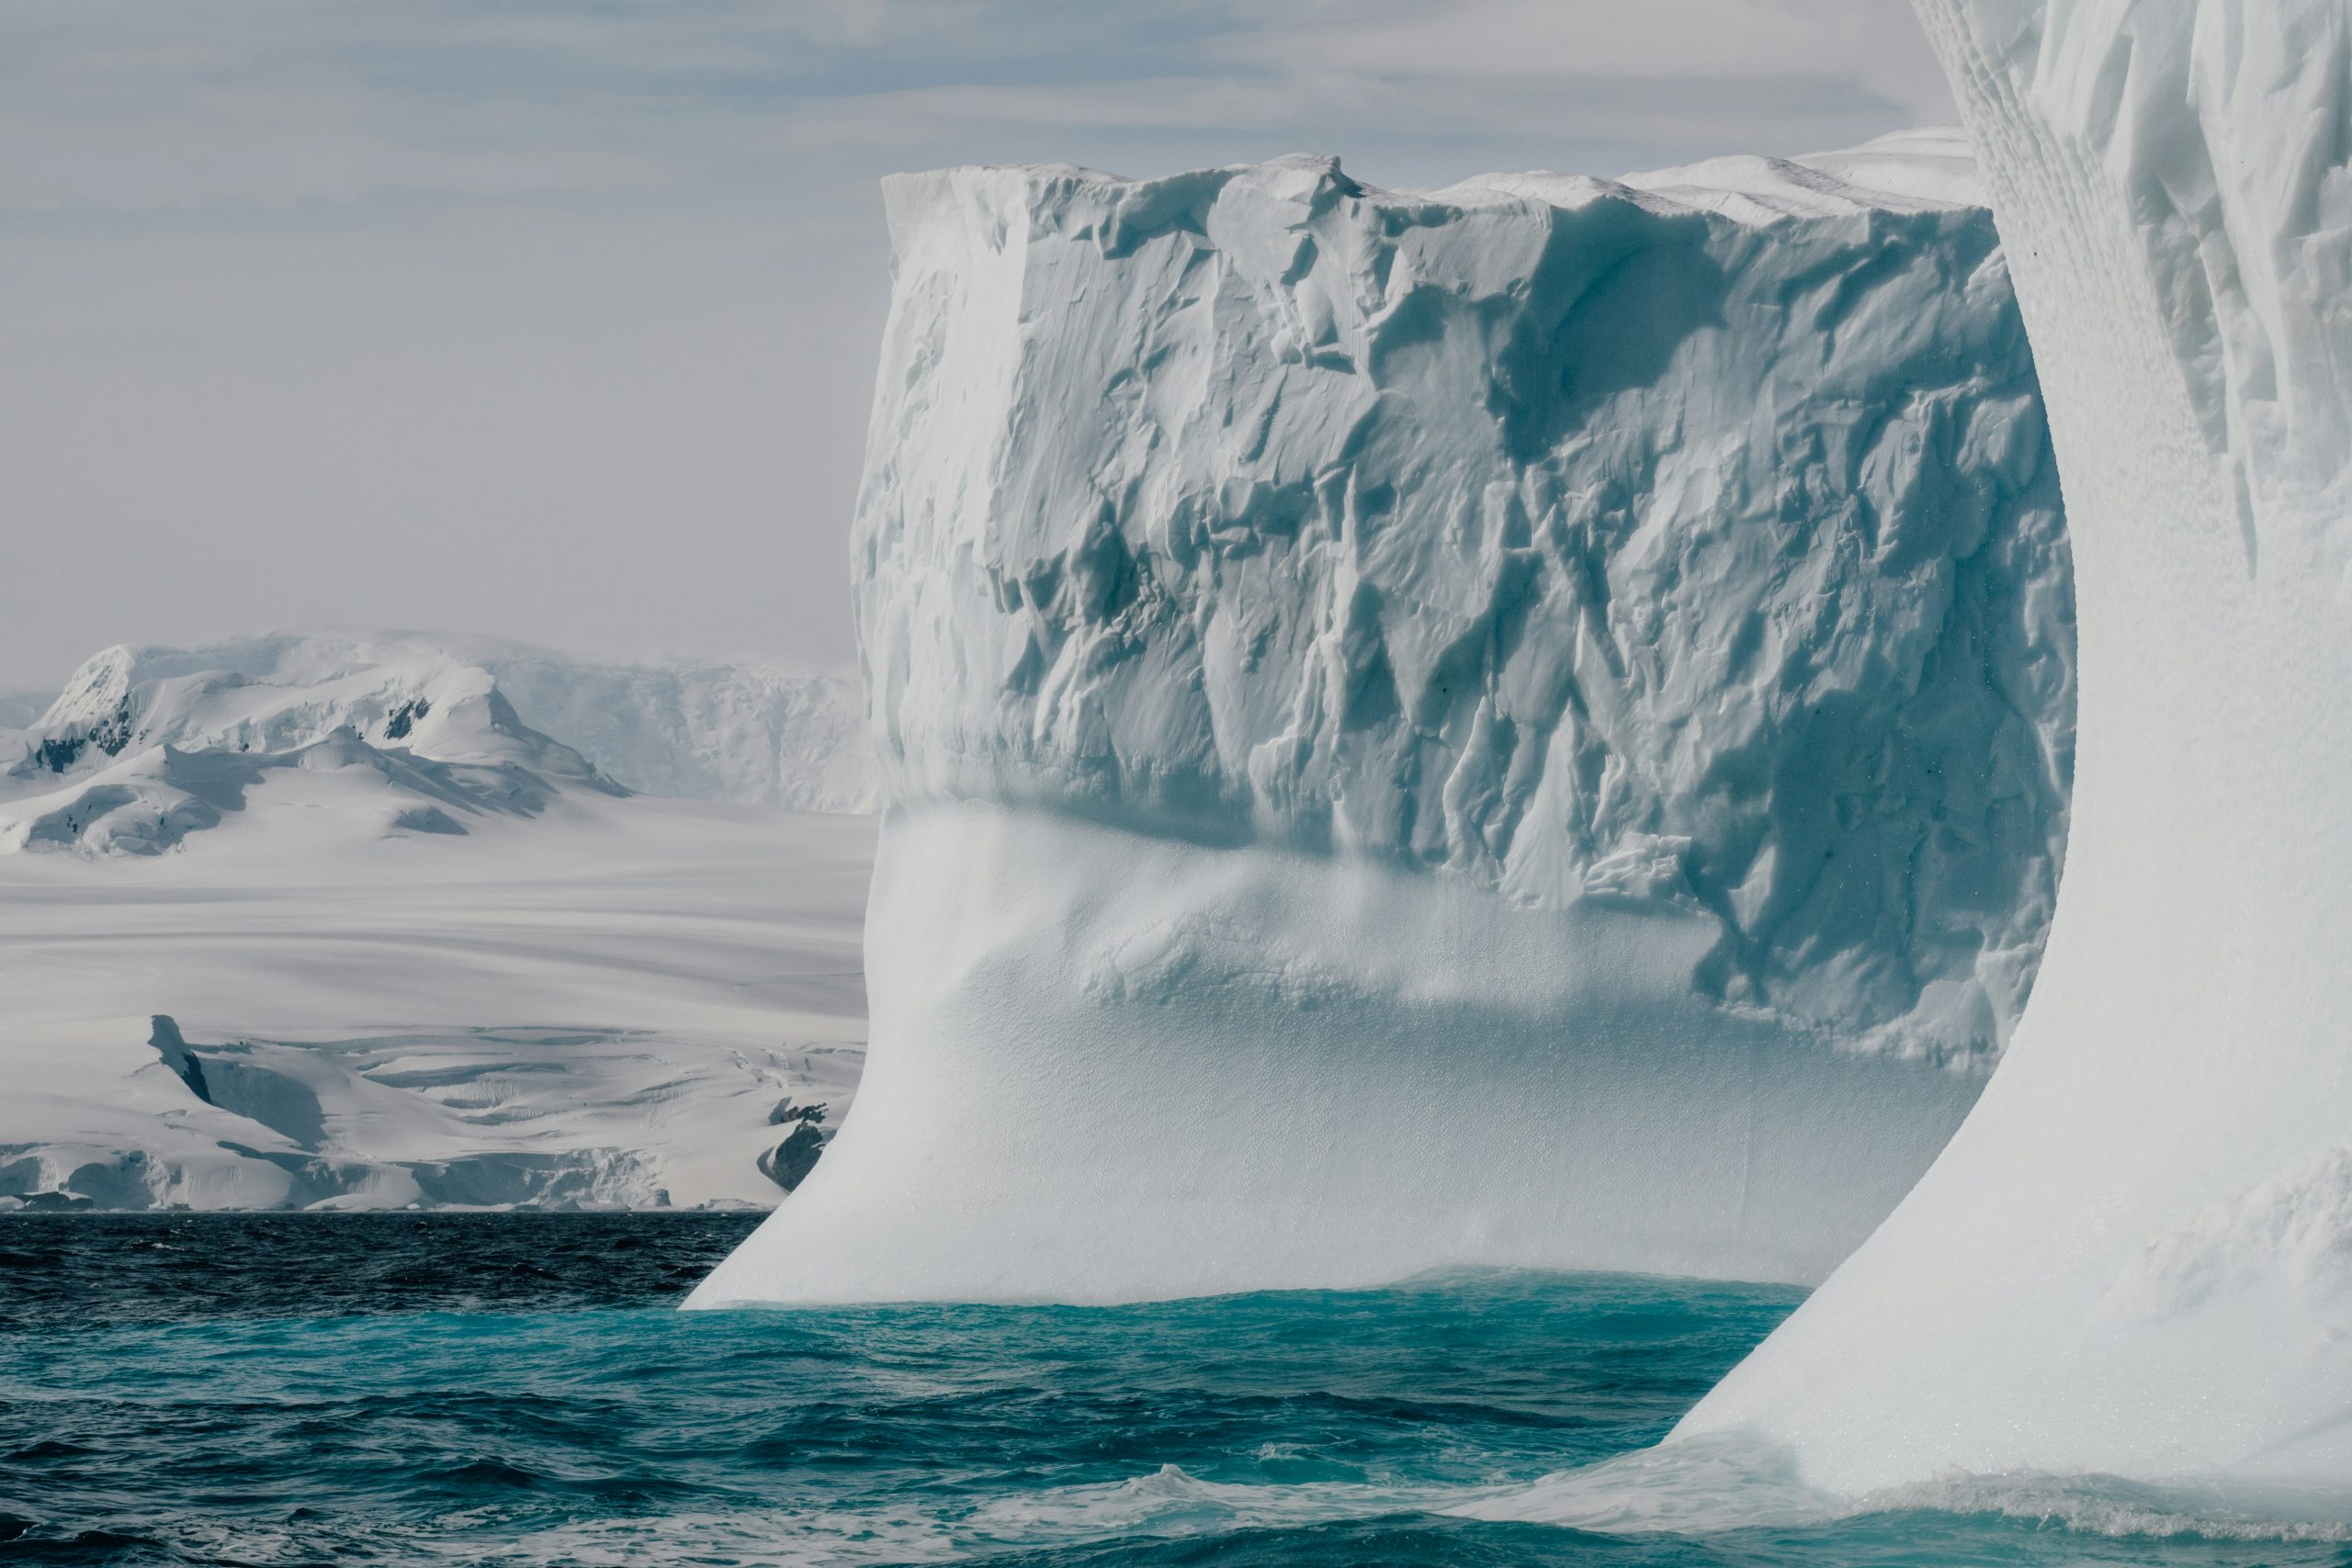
338 1389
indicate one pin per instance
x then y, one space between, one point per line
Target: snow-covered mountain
1526 722
146 745
751 732
327 920
133 755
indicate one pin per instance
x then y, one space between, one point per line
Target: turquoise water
505 1389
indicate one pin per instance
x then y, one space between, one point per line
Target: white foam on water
1718 1484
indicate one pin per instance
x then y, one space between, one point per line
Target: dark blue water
511 1389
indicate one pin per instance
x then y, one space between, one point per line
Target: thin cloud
276 102
278 152
539 307
1874 46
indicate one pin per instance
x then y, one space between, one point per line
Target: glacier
332 920
2135 1258
606 1006
1521 723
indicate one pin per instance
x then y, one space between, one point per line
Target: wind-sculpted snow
2130 1260
1527 723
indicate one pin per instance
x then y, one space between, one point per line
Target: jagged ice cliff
1527 723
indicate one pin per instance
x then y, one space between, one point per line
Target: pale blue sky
556 320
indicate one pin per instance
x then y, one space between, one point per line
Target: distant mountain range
384 919
423 733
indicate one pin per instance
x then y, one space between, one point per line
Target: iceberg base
1105 1066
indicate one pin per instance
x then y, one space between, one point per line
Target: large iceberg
2136 1257
1522 724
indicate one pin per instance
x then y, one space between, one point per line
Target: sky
557 320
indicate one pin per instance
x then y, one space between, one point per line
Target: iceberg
1521 723
2135 1258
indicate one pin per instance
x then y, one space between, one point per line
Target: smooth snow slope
2136 1258
1526 724
600 1007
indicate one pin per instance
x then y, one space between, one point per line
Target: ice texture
2131 1259
1563 535
1524 723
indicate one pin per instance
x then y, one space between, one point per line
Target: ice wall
1527 723
2136 1257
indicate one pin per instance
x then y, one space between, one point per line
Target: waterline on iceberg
1104 1067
